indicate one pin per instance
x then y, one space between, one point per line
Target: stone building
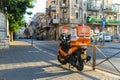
61 15
4 31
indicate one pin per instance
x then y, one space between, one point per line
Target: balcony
64 20
55 21
53 1
63 6
53 8
48 11
93 8
110 9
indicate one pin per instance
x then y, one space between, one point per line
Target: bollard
94 56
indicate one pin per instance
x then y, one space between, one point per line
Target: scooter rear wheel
61 60
80 65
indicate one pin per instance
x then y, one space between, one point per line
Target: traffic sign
103 21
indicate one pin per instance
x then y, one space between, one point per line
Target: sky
116 1
40 6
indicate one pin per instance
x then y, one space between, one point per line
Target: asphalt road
23 62
110 65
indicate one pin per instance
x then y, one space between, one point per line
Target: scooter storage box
80 35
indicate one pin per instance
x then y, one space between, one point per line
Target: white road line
33 51
45 51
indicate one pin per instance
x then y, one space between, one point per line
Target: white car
107 37
99 37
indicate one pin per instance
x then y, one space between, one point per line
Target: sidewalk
23 62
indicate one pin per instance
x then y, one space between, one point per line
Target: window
76 1
64 1
100 16
57 2
76 15
54 16
85 16
109 17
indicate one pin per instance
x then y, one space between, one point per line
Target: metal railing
108 54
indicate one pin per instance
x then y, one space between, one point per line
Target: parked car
115 38
107 37
99 37
96 37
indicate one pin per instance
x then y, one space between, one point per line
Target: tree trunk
11 36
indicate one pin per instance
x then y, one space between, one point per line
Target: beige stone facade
64 14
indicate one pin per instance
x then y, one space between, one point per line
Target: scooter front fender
62 52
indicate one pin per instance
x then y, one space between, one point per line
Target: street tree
15 10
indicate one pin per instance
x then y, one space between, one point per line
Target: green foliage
15 12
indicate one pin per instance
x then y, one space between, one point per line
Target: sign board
83 31
64 29
73 34
97 30
103 21
80 31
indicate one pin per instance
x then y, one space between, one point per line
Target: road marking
45 51
33 51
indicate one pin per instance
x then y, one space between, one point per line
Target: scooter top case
80 36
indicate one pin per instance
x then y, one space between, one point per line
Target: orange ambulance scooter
72 48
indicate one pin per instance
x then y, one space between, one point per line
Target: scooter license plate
83 56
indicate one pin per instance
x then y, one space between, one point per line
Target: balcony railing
55 21
64 20
95 8
110 9
53 8
48 11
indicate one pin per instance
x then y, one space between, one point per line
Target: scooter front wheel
61 60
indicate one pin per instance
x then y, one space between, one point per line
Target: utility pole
103 22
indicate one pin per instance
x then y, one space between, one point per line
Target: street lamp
32 24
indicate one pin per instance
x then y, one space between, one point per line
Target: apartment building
61 13
37 26
64 14
52 11
98 9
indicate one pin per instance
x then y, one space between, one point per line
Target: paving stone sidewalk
23 62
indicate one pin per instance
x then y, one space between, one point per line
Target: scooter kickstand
70 66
